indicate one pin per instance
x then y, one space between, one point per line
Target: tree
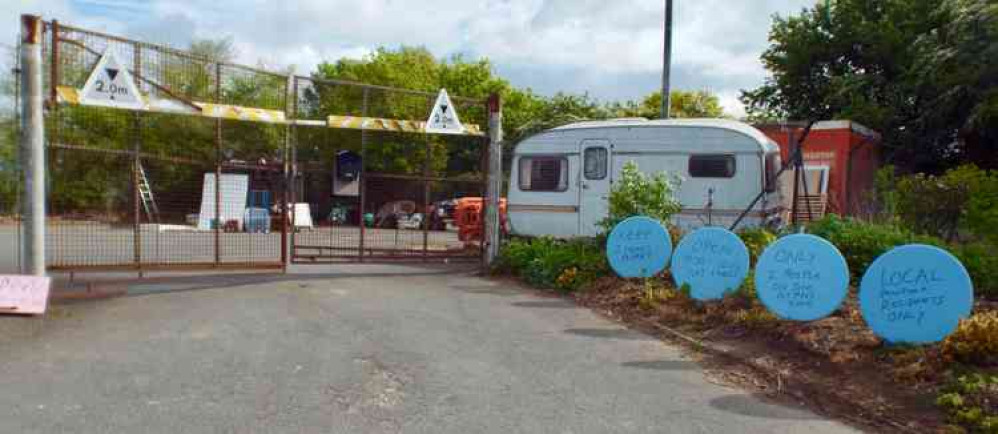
956 64
882 64
683 104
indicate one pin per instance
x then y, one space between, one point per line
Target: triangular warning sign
443 119
110 85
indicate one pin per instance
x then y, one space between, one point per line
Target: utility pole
667 62
32 146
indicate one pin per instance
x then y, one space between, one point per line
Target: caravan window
595 163
712 166
543 173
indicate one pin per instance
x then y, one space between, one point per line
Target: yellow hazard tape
70 95
379 124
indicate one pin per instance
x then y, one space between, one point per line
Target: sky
611 50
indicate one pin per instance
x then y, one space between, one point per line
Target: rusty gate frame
367 254
53 40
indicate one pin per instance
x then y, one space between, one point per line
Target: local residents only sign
712 261
638 247
802 277
915 294
27 295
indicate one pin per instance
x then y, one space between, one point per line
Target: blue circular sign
915 294
712 261
802 277
638 247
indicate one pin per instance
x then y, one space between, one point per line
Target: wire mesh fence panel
189 161
90 227
10 175
376 186
193 181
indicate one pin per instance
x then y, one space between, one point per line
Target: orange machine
469 218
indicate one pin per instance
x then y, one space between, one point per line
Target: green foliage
975 341
862 242
747 290
971 401
756 239
635 193
982 264
918 71
981 215
938 205
885 195
549 263
683 104
962 201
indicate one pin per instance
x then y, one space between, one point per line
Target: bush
549 263
862 242
971 401
975 341
964 199
756 239
638 194
982 210
982 264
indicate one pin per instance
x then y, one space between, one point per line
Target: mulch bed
836 366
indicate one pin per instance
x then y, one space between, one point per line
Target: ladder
145 193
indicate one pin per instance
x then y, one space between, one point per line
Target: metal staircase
145 193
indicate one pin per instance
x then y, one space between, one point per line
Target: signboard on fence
712 261
802 277
915 294
443 119
111 85
638 247
24 295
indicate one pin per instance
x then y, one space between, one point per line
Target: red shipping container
850 152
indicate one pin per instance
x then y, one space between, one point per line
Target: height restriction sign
443 119
111 85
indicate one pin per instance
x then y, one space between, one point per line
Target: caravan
561 178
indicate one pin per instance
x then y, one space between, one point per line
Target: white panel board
234 189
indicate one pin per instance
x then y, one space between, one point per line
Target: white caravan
561 178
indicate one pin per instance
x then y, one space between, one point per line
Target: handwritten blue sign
638 247
712 261
802 277
915 294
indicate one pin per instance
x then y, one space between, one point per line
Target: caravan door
594 184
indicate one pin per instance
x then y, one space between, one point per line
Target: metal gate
227 166
377 187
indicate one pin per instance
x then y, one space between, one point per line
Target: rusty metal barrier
399 205
226 166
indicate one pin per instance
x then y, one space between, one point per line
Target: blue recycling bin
257 220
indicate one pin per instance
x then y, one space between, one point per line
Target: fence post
494 183
291 126
33 145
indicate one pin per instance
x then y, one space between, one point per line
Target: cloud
612 49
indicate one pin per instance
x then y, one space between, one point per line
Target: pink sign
25 295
